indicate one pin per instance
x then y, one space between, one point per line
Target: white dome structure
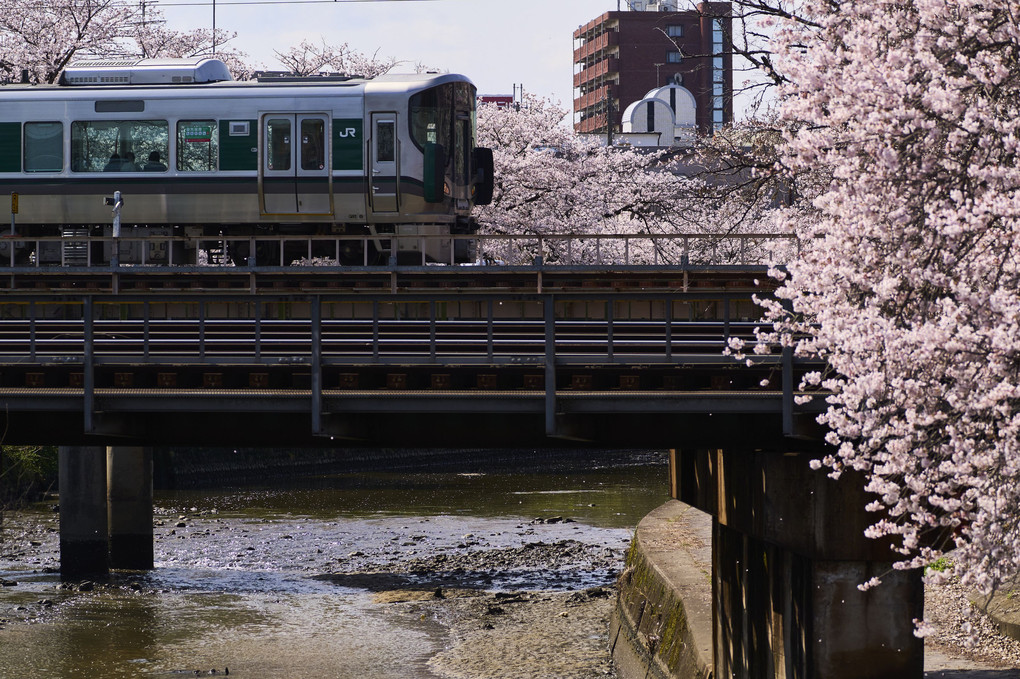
668 111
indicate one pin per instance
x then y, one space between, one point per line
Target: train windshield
445 115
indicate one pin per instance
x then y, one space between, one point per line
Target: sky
496 43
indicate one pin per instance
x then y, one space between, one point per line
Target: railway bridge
619 347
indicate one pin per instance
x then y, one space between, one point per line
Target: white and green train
194 152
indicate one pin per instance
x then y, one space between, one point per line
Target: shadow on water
599 492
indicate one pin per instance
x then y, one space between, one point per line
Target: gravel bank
548 630
949 648
522 634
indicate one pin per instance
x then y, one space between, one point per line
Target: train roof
112 78
105 72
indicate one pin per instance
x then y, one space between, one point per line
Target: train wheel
352 253
267 254
238 252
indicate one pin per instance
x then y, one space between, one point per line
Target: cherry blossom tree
43 38
909 283
307 58
152 39
551 181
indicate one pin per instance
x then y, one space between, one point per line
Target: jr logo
347 133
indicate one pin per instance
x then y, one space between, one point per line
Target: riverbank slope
661 626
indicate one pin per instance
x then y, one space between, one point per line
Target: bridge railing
554 347
517 250
373 328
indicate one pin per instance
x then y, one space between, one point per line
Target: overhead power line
210 3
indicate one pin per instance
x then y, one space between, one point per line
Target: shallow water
261 581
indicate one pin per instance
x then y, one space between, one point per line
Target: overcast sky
496 43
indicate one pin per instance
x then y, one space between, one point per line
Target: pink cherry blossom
909 281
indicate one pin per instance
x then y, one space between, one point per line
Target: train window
385 141
431 115
198 143
44 147
118 145
278 141
313 144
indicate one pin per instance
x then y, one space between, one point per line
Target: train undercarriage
237 245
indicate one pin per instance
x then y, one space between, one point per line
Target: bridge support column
84 546
129 482
788 553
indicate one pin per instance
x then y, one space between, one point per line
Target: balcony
597 97
596 123
601 69
597 44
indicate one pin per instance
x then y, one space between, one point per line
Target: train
193 152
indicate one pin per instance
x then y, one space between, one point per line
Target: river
368 575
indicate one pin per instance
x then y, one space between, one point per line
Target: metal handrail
527 250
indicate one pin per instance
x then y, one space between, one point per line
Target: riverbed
423 575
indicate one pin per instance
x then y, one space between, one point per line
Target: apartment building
650 51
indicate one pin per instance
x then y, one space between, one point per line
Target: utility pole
609 117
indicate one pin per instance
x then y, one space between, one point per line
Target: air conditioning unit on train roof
145 72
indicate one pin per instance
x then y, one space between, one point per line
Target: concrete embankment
662 625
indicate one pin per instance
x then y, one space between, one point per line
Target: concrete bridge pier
84 541
788 554
129 488
105 509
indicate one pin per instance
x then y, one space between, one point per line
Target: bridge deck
619 355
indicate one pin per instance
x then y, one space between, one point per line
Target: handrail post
489 341
88 360
432 330
258 330
550 365
726 321
316 364
201 330
31 330
145 329
375 331
668 317
609 329
118 203
787 360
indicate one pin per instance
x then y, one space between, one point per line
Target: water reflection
606 497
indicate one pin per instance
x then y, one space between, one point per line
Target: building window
675 31
718 74
674 57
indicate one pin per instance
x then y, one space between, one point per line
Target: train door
295 176
385 154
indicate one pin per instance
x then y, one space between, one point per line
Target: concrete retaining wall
662 625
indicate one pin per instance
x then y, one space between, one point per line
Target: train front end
425 172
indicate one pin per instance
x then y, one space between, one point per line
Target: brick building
621 57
